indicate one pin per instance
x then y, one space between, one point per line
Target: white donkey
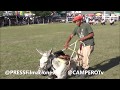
59 67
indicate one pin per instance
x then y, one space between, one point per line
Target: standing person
85 34
103 22
87 19
96 21
112 21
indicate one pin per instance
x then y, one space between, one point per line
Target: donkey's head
45 60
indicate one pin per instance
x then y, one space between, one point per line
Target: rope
74 50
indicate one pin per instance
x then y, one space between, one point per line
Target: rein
74 49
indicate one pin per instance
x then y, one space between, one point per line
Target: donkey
59 67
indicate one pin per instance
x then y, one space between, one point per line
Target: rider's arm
70 37
68 40
87 37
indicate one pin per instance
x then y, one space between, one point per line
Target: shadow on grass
114 24
106 65
110 63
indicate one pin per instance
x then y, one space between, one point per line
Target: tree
42 13
1 13
59 12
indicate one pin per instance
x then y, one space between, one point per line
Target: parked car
69 19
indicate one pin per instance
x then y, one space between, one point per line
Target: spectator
87 19
96 21
91 22
112 21
103 22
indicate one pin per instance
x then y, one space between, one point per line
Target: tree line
39 13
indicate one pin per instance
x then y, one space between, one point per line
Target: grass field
18 48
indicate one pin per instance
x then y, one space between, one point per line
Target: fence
22 20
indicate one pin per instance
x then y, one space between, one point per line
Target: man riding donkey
86 35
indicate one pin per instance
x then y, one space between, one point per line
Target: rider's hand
82 39
66 46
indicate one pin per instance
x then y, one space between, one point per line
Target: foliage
1 13
42 13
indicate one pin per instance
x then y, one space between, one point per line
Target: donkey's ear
40 52
50 51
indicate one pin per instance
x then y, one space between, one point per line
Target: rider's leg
86 53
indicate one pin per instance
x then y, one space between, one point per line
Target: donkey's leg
62 71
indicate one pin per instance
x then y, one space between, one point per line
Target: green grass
18 48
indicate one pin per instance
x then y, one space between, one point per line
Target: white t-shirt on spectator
111 21
102 21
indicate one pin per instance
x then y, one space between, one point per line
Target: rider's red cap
79 17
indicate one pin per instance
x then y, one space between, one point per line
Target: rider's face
78 22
